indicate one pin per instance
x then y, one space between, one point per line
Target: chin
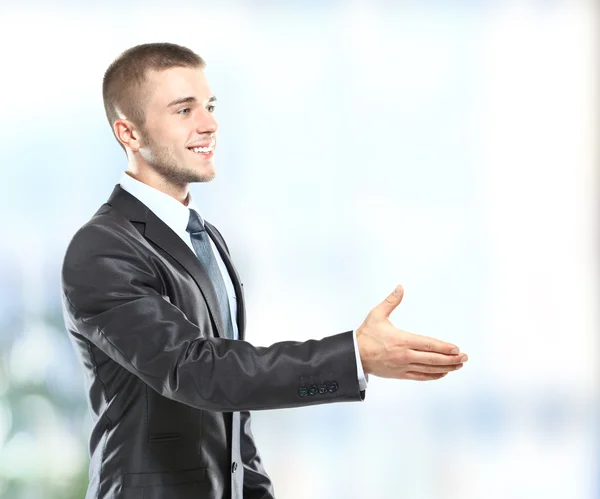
205 176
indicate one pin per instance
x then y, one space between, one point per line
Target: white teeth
204 150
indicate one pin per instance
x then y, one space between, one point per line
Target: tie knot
195 223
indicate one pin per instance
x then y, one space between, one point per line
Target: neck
179 192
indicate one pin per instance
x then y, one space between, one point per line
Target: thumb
387 306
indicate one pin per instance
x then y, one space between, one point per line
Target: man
156 311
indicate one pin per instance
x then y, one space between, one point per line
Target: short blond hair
123 83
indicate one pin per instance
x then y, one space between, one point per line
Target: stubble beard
163 161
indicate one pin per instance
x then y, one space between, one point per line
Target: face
178 139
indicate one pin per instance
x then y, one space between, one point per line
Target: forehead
167 85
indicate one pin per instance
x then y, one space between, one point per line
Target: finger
424 368
387 306
428 344
434 359
416 376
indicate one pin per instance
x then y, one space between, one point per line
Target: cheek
177 135
169 133
166 139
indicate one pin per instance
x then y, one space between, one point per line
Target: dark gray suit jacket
169 395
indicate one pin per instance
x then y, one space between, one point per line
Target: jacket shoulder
107 229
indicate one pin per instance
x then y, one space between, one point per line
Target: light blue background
448 146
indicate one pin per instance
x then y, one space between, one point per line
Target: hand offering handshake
389 352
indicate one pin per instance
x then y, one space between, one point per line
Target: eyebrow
188 100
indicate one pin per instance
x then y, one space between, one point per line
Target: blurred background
451 147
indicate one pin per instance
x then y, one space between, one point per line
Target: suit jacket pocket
165 437
162 479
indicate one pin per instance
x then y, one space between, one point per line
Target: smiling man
154 110
155 309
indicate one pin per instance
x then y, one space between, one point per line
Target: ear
127 134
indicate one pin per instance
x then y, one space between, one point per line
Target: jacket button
233 467
322 389
332 386
313 390
303 391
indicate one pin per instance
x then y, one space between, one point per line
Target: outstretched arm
112 297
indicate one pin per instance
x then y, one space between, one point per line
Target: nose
206 122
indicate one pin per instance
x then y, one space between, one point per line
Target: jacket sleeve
112 297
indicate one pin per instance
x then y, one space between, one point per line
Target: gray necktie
201 244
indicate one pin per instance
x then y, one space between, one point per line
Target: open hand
389 352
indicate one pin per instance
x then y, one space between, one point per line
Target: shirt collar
168 209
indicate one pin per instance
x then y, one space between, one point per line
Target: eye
184 111
211 109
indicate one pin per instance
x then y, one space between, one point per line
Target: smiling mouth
202 150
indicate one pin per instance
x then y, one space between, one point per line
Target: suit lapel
161 234
235 278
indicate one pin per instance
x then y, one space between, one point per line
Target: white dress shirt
176 216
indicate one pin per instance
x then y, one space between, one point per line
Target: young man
155 309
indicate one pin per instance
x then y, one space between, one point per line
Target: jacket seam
146 451
104 415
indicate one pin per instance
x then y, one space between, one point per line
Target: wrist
361 351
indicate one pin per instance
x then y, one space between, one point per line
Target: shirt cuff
362 379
